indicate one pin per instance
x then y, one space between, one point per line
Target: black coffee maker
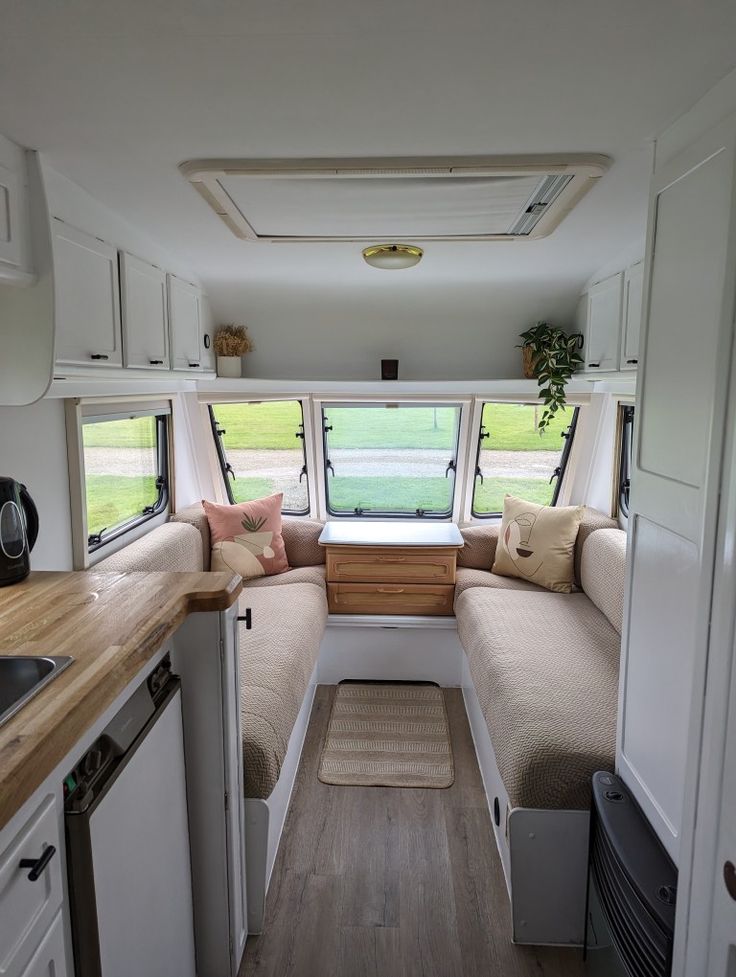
18 531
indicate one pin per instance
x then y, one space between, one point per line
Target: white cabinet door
15 258
145 312
603 333
633 286
49 960
87 298
185 317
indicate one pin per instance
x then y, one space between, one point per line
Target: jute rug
383 735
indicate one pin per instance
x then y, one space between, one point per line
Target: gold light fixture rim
410 250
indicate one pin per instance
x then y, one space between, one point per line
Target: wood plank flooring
390 882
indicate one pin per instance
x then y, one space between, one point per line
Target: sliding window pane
262 451
515 459
123 465
396 460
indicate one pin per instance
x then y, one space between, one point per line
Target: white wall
463 332
33 451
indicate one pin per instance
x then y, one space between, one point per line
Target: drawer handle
246 618
390 590
38 865
593 366
632 362
194 366
99 356
392 559
156 362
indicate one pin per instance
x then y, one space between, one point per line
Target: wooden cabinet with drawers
391 568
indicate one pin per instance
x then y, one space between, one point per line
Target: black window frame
559 472
96 541
226 469
359 513
625 458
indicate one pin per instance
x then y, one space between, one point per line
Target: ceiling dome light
393 256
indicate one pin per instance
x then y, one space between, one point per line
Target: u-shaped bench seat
540 685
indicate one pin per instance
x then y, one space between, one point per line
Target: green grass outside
112 499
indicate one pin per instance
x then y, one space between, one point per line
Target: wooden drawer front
367 598
384 565
27 908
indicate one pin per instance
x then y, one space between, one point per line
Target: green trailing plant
553 358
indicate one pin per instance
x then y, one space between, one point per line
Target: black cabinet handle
193 366
99 356
593 366
38 865
247 618
156 362
632 362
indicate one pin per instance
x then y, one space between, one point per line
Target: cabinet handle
99 356
632 362
193 366
392 559
593 366
156 362
390 590
246 618
38 865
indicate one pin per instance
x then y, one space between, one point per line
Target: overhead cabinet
603 325
186 318
145 314
14 215
87 298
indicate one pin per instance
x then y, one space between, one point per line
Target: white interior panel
658 680
684 322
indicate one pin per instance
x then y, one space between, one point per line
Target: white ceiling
117 93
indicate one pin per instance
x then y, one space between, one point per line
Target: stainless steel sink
21 677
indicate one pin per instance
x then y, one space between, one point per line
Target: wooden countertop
366 532
111 624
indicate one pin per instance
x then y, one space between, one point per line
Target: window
125 472
390 459
261 451
514 458
624 470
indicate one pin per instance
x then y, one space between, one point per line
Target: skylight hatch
359 200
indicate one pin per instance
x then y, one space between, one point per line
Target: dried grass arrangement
232 340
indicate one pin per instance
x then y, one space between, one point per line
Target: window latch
565 434
329 466
358 511
555 474
483 433
219 431
229 470
421 512
94 539
303 472
479 473
450 467
328 427
300 432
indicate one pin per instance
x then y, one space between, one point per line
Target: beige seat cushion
170 547
545 668
603 572
537 543
277 657
465 578
313 575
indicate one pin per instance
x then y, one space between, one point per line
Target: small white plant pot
229 366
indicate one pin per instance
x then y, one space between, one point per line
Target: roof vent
490 199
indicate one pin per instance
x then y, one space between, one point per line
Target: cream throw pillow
537 543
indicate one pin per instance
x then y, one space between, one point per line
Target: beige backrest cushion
173 546
537 543
593 519
479 550
603 568
301 538
194 515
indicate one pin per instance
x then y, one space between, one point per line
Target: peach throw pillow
246 537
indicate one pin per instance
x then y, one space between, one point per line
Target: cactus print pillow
246 538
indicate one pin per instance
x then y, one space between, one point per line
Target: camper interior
367 489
